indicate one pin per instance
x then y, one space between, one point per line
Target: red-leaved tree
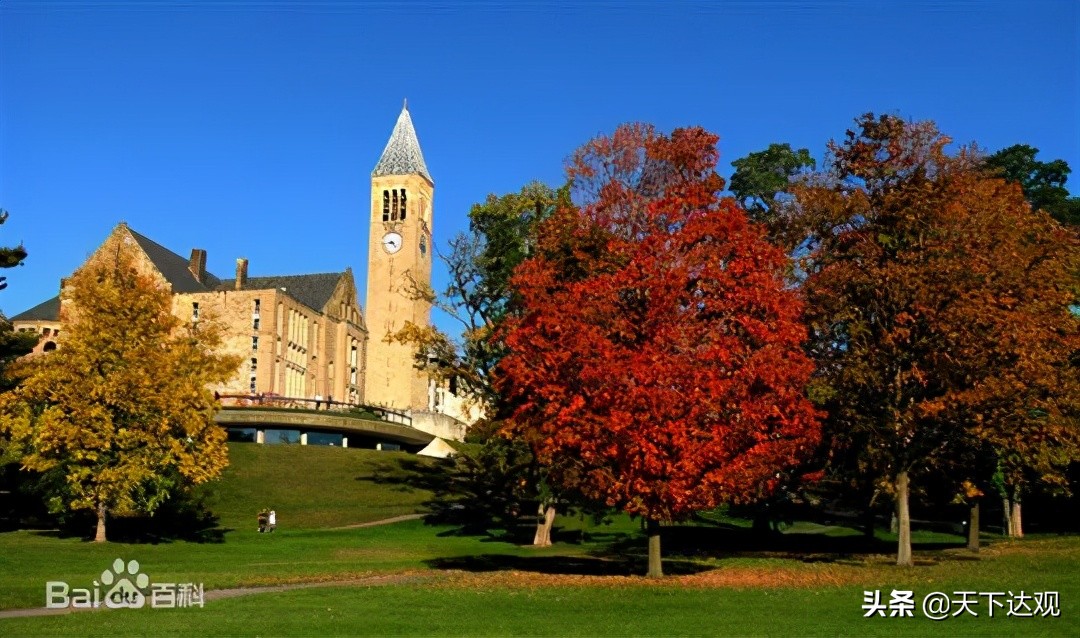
657 363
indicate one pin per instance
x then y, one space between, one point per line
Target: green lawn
531 603
725 579
315 486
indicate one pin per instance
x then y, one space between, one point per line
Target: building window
255 323
194 311
45 332
394 207
254 365
254 343
49 347
403 204
386 206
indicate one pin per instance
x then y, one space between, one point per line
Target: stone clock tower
399 255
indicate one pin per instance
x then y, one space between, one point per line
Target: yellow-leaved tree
120 417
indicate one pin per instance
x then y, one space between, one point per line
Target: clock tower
399 260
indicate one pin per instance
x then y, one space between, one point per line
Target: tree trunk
903 551
1017 521
973 527
546 518
656 570
100 536
1006 514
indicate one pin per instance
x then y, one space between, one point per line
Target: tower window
386 206
194 311
254 343
394 209
403 204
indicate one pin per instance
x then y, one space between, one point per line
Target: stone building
298 335
305 336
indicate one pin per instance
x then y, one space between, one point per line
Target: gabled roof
314 291
44 311
402 154
173 267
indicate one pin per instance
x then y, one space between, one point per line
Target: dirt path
385 521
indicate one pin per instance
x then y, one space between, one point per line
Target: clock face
391 242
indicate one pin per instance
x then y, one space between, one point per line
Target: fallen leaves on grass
811 576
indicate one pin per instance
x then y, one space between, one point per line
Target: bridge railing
270 400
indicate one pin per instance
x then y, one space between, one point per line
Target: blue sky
250 129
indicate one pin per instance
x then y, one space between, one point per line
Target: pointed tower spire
402 155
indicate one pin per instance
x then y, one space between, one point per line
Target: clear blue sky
251 128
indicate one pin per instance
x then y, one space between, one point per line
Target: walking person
273 520
264 519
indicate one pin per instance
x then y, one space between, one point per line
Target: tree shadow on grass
186 520
627 565
456 500
410 474
458 504
729 541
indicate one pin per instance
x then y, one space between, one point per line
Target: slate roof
44 311
311 290
402 155
174 267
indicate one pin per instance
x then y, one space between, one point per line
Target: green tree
761 180
120 417
9 257
1043 182
501 235
480 264
12 344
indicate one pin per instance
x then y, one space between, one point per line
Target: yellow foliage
122 411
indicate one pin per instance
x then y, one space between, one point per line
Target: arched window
386 206
394 210
49 346
403 204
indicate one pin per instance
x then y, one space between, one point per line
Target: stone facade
394 271
304 343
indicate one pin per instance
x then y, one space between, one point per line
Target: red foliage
657 363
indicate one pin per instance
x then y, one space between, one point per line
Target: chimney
241 273
197 265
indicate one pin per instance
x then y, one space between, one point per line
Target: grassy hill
315 486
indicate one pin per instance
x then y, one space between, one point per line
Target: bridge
264 418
